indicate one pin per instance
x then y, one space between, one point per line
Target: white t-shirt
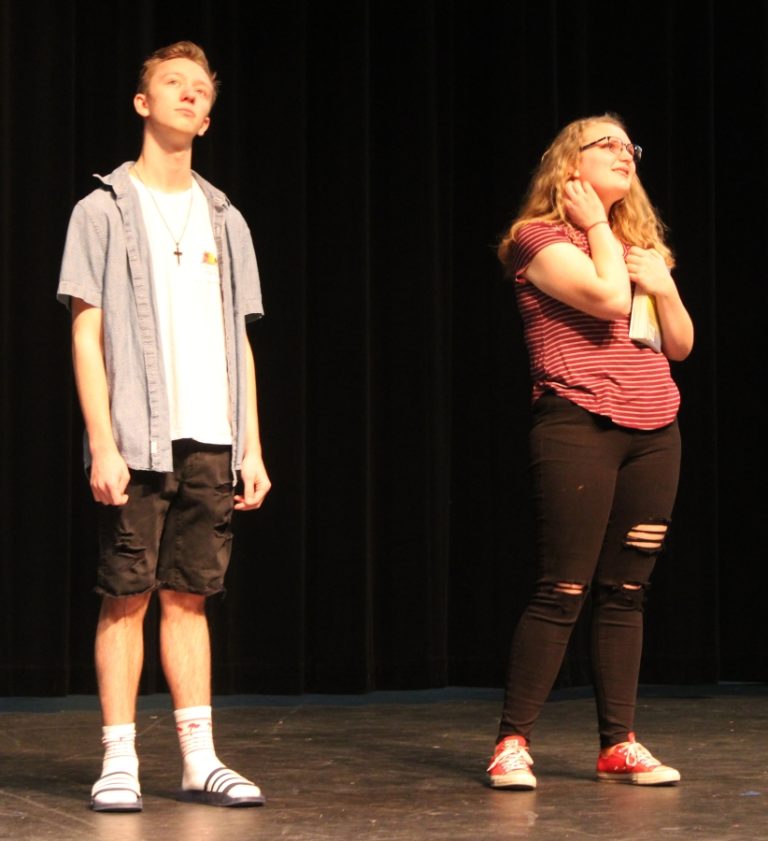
189 312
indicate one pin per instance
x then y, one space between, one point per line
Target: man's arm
256 483
109 472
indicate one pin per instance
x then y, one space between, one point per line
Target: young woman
604 444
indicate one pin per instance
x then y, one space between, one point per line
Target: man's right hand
109 478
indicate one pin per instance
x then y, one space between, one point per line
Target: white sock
119 742
195 730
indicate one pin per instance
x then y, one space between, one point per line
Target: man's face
178 98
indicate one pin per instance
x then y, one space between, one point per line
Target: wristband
601 222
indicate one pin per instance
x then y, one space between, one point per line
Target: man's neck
166 169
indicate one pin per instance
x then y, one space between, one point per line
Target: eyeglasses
615 145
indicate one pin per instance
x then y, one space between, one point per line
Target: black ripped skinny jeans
593 482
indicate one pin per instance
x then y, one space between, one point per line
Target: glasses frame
635 151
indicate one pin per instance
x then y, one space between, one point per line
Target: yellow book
644 324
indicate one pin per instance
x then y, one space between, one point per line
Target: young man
161 277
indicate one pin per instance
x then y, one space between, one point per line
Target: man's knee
125 607
178 600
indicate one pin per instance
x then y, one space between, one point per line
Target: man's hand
256 483
109 478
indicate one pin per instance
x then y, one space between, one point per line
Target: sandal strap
223 779
116 781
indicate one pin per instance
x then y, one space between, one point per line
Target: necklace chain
177 242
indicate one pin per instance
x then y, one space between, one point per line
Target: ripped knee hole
647 537
568 588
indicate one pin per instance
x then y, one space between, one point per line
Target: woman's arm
649 272
599 285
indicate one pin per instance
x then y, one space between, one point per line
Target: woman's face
607 165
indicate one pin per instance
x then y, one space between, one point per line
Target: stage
396 766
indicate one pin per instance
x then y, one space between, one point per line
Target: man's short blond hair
181 49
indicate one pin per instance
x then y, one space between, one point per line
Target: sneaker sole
512 784
665 778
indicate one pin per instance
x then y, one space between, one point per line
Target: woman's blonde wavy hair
634 219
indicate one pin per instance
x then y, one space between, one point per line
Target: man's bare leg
185 648
119 654
186 656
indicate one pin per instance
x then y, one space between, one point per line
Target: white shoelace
512 758
636 754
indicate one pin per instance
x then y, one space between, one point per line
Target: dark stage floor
396 766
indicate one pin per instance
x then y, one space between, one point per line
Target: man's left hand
256 484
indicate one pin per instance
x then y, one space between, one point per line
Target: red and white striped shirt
587 360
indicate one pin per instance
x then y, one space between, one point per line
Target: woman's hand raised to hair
582 204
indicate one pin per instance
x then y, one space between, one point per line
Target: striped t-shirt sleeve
530 240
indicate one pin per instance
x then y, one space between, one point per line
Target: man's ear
204 127
140 104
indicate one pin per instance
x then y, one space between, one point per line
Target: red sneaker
510 765
630 762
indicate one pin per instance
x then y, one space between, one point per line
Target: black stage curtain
377 149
